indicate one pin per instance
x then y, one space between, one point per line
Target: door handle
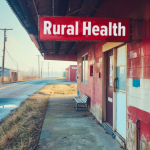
115 83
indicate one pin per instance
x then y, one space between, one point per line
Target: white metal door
121 91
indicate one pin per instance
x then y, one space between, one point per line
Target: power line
26 65
18 57
16 47
5 23
12 59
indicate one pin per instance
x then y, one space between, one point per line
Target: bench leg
77 106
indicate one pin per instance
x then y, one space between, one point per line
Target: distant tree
31 74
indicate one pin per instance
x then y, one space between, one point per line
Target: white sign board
110 99
121 69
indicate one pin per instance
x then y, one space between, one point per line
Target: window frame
83 81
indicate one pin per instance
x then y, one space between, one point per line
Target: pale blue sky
19 45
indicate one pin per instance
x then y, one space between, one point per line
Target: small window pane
86 69
84 73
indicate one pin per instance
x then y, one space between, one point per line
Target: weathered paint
138 106
138 67
121 56
93 88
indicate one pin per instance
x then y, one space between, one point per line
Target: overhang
28 11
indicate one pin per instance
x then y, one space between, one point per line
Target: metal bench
81 101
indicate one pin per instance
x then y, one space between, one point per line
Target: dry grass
56 89
60 78
22 128
31 79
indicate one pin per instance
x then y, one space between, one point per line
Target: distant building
71 73
10 75
64 74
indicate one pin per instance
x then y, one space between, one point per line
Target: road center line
8 86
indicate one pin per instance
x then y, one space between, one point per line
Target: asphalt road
11 95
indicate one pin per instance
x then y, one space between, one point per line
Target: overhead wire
5 23
23 63
11 58
15 33
10 63
26 65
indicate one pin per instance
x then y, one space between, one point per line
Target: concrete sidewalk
67 129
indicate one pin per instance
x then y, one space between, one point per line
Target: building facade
71 73
119 85
115 75
10 75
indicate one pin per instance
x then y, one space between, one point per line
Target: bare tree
31 74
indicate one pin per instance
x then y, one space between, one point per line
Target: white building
10 75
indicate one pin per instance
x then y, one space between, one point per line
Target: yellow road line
8 86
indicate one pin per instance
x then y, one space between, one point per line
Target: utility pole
52 72
41 68
3 60
48 69
38 65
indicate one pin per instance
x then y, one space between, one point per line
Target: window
85 69
91 70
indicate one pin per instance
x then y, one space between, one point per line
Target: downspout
137 134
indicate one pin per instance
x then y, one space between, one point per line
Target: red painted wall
94 87
138 66
73 72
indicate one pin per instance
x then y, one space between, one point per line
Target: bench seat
83 100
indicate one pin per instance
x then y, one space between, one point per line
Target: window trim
82 68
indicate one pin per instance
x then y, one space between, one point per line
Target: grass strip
62 89
22 128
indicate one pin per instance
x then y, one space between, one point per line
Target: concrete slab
67 129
